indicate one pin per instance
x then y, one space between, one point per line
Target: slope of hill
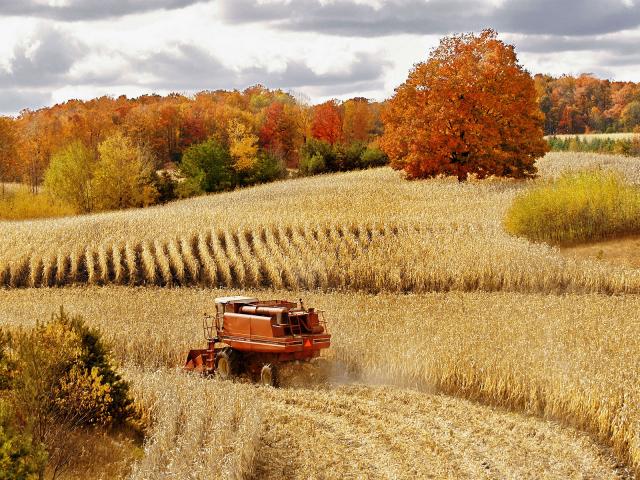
493 327
366 230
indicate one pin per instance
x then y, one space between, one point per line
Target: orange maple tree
326 124
356 121
470 109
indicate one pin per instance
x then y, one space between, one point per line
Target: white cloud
167 46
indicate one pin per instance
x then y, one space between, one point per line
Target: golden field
501 358
369 231
558 357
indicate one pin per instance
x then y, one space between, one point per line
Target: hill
367 230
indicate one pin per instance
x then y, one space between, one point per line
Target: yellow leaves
243 146
84 392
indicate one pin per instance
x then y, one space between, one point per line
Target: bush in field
578 207
58 379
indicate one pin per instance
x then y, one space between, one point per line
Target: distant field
589 136
368 230
12 187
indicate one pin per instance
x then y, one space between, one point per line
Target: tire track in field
357 431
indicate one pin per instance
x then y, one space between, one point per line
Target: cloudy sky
54 50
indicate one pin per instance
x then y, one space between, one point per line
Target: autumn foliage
256 132
470 109
327 125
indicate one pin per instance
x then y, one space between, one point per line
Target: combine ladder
294 326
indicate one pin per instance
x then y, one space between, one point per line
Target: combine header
251 336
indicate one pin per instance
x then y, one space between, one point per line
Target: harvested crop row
367 257
357 431
197 428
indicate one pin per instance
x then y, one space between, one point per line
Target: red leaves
470 108
327 124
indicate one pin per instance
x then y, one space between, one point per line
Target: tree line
586 104
118 152
470 109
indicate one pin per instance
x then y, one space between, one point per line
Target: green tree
208 167
123 176
70 176
317 156
267 168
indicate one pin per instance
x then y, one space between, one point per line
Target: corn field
555 356
368 231
425 293
191 421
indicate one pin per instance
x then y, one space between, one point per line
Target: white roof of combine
236 299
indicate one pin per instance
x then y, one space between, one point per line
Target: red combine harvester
252 336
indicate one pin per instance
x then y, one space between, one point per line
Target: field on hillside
369 231
590 136
501 358
556 357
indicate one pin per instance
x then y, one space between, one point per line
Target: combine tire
227 364
268 375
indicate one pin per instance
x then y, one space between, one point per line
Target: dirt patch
620 251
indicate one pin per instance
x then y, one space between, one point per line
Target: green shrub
208 167
317 156
578 207
267 168
20 458
373 157
348 156
312 165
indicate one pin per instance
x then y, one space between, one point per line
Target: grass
565 358
577 207
20 204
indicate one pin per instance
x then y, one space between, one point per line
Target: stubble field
425 293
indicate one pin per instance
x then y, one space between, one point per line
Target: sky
55 50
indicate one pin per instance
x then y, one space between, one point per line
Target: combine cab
251 336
